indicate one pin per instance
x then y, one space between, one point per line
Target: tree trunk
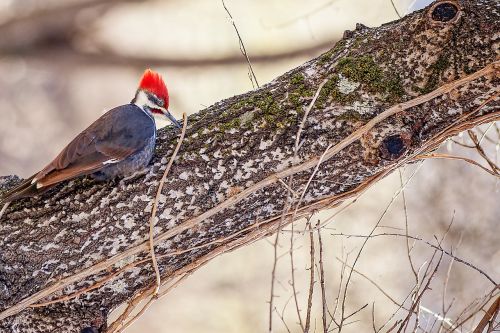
310 139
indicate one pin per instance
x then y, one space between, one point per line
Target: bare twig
489 317
282 314
356 311
337 298
243 50
484 134
324 304
395 9
273 280
366 240
453 157
445 286
130 307
155 204
296 149
451 255
306 114
405 209
311 279
371 281
146 306
4 208
416 301
476 306
292 283
481 152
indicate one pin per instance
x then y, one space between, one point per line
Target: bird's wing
83 164
17 191
97 147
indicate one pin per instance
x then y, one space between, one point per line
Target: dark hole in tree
444 12
392 147
90 329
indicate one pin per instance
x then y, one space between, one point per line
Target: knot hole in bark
392 147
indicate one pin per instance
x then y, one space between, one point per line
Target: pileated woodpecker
119 143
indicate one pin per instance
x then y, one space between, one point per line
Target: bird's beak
171 118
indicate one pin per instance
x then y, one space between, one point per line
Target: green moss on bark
367 72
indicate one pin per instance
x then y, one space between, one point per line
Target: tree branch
86 244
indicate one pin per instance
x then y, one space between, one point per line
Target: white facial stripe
143 100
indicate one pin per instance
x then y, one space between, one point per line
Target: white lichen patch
49 246
277 154
217 154
219 172
79 217
345 86
60 234
198 173
96 224
45 223
104 202
124 204
284 163
310 71
25 248
189 190
118 242
45 269
361 107
264 144
173 194
246 118
128 221
162 198
178 205
454 111
117 286
143 198
166 214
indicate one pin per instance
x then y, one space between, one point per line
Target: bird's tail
25 189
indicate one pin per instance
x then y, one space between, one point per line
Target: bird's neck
141 100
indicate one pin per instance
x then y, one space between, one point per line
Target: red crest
153 82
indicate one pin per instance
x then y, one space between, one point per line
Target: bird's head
152 96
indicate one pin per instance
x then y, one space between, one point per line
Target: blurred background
64 63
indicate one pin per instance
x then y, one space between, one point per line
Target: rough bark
389 94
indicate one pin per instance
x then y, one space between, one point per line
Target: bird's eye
444 12
155 100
